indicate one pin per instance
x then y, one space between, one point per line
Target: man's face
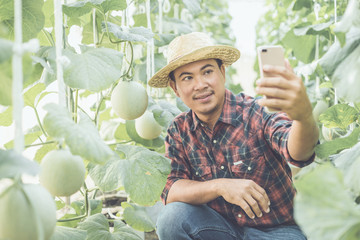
201 86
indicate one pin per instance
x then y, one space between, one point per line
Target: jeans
182 221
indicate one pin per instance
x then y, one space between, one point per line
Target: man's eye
187 78
208 71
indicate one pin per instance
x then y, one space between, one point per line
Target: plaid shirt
246 142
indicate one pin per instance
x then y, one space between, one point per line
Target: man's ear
173 86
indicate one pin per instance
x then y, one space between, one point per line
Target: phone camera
264 50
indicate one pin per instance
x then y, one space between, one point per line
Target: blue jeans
182 221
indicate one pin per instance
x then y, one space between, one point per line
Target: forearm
194 192
303 138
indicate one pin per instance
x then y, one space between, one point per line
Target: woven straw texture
190 48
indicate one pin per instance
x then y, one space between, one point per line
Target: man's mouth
203 96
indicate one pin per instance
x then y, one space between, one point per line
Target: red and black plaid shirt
246 142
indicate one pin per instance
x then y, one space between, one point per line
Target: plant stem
87 208
39 144
76 105
98 109
48 37
39 122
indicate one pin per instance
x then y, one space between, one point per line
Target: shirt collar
228 114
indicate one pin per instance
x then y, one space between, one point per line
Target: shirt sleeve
174 150
276 132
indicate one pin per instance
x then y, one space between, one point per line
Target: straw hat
190 48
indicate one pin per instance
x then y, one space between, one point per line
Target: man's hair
218 61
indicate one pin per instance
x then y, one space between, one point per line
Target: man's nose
200 83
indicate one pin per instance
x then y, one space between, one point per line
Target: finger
278 70
263 193
277 82
288 66
272 92
247 209
254 205
275 103
262 200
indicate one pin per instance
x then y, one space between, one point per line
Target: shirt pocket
249 165
200 166
202 173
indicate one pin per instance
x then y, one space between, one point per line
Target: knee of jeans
172 216
173 213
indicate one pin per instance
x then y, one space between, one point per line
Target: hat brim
227 54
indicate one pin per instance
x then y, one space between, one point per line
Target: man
230 177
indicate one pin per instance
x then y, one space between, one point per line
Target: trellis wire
317 9
150 67
58 15
335 21
17 85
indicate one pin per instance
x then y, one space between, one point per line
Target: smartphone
270 55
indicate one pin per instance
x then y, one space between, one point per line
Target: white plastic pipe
58 14
17 85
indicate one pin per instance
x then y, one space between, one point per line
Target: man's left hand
285 92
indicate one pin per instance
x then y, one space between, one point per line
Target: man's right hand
245 193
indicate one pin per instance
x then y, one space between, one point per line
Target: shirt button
214 141
239 215
197 173
249 168
222 167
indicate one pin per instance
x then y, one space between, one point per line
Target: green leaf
323 207
79 206
345 78
349 162
65 233
172 24
83 139
137 217
131 131
350 18
120 133
143 173
59 204
336 54
32 93
77 9
13 164
95 69
328 148
31 136
5 83
303 46
109 5
32 17
6 117
107 177
81 8
5 50
193 6
327 84
299 4
163 39
314 29
97 227
43 150
339 115
133 34
181 105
